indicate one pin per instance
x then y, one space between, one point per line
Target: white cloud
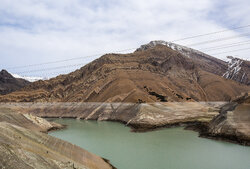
34 31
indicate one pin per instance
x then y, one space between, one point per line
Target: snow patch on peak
30 79
234 67
182 49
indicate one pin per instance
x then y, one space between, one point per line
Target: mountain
155 72
202 60
8 83
235 69
238 70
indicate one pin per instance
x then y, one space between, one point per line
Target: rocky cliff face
23 146
155 74
238 70
9 84
233 122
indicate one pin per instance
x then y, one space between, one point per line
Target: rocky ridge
202 60
232 123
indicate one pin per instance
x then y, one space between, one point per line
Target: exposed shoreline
201 128
25 144
142 117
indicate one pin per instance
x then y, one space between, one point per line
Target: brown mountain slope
202 60
155 74
9 84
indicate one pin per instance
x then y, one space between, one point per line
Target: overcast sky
37 31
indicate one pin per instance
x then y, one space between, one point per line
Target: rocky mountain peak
8 83
238 70
182 49
171 45
4 74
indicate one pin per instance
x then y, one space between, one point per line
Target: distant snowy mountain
238 70
234 67
30 79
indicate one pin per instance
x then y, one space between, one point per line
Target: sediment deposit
143 116
24 146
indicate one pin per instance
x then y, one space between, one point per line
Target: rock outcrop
23 146
9 84
233 122
155 74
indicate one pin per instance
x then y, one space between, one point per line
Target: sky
40 31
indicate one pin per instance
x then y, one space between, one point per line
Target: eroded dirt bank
24 146
210 119
232 123
139 116
217 120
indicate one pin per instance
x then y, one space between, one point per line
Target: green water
172 148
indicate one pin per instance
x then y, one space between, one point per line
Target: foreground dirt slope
27 121
23 146
158 74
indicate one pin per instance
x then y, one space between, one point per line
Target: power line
82 64
191 37
218 40
211 33
48 74
65 60
75 65
224 45
231 51
52 68
59 61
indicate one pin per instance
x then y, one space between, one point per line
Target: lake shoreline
201 128
204 117
116 142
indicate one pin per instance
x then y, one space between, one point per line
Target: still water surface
172 148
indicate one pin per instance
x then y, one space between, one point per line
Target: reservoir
169 148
